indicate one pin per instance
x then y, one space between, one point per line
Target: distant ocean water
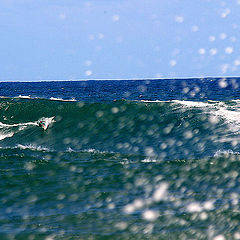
136 159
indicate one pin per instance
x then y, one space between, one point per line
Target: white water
8 130
217 111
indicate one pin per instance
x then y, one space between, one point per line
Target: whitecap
25 97
32 147
7 135
63 100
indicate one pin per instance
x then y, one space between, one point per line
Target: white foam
70 150
225 153
26 97
4 125
63 100
7 135
43 98
8 130
216 112
230 114
92 150
192 104
33 147
56 99
148 160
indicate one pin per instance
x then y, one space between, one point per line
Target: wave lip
63 100
191 104
24 96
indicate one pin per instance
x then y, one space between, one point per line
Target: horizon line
118 79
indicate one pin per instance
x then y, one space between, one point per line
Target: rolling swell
155 130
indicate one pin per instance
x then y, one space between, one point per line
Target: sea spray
126 159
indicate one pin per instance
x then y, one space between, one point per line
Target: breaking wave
156 129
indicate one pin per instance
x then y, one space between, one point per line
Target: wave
32 147
156 129
64 100
228 152
41 98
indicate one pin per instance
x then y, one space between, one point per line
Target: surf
160 129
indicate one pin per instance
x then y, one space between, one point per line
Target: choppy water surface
150 159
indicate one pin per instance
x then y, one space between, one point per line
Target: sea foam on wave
191 103
32 147
6 135
217 111
63 100
225 153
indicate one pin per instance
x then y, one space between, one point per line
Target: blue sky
105 39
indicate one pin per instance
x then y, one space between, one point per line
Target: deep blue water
108 90
146 159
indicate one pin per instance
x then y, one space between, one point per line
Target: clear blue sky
106 39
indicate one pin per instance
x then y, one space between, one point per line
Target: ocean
120 159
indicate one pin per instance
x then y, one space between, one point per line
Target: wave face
161 164
163 130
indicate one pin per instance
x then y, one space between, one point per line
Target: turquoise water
121 160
